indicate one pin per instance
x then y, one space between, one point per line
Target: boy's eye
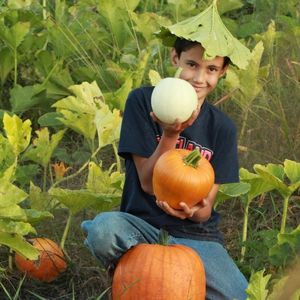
191 64
212 69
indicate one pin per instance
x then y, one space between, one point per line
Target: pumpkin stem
163 237
193 158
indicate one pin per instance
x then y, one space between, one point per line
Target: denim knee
109 236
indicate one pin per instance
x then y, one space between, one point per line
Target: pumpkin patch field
66 69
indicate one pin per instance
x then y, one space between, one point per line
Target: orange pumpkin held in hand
50 264
181 175
160 272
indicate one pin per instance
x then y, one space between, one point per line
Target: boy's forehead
196 53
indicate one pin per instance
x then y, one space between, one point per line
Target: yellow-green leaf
18 132
10 194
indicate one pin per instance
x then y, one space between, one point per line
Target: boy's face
202 74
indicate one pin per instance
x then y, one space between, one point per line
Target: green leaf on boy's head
208 29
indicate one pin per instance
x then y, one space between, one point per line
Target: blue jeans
111 234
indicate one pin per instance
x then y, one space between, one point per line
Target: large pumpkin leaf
79 110
258 185
77 200
18 244
18 132
208 29
274 175
14 227
232 190
108 125
13 212
43 146
10 194
39 200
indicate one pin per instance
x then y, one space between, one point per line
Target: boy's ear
174 57
224 70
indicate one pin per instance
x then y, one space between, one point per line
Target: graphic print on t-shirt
184 143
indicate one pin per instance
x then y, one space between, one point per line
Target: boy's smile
202 74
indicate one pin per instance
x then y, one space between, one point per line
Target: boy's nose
199 76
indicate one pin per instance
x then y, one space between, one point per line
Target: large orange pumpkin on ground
159 272
50 264
182 175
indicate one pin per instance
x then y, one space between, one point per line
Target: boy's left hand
184 213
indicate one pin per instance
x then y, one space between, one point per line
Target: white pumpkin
172 99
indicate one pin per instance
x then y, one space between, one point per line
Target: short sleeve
225 158
138 131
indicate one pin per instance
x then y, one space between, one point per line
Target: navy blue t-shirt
213 133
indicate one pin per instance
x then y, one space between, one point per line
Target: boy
143 140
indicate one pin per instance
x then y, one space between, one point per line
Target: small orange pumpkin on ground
50 264
160 272
182 175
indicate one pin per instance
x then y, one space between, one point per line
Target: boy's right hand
177 127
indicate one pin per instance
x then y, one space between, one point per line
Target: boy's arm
167 142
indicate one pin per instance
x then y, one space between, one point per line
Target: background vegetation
66 68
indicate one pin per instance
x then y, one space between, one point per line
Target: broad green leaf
7 157
208 29
20 228
79 110
118 98
77 200
14 35
108 125
34 216
43 146
147 23
6 63
232 190
10 194
18 4
100 181
13 212
24 98
274 175
154 77
229 5
50 119
286 249
18 132
18 244
292 170
257 288
258 185
38 200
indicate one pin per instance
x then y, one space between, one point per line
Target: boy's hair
181 45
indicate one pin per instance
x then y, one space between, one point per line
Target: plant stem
284 213
245 229
193 158
66 231
45 179
44 9
163 238
16 67
117 157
